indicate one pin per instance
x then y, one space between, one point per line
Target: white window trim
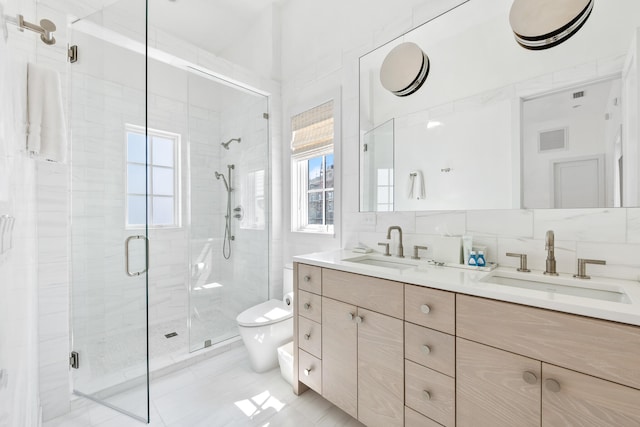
299 185
177 202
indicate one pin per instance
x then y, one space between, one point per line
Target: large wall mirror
497 126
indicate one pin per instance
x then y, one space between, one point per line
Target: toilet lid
265 313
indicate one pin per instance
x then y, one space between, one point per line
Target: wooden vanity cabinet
552 381
392 354
363 353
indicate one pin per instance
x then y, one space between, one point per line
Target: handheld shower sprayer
226 144
228 236
218 176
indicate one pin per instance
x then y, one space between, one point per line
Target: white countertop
478 283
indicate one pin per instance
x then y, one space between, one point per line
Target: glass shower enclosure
170 206
109 238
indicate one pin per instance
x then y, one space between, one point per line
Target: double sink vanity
403 342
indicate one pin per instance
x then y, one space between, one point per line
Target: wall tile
441 223
633 225
587 225
501 223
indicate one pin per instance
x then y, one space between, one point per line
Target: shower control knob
307 306
307 371
307 337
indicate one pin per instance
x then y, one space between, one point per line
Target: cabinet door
495 388
573 399
340 355
380 369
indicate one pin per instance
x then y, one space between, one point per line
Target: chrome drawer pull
307 336
426 349
359 319
307 278
425 308
350 316
426 394
307 371
307 306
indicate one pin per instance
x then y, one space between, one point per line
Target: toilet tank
287 277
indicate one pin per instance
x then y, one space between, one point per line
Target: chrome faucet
400 248
549 243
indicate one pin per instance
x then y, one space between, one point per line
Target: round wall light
541 24
404 69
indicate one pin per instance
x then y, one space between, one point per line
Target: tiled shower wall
321 48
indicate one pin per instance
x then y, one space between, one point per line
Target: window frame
149 134
300 190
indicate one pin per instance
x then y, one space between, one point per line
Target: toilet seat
266 313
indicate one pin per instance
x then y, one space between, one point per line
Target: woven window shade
312 129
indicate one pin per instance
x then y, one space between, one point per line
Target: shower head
224 180
226 144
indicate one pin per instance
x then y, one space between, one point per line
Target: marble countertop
479 283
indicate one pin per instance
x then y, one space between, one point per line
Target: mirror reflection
496 126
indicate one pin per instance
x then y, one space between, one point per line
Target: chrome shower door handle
126 255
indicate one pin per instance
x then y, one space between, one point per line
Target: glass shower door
109 300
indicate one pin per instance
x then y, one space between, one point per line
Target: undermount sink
382 261
560 285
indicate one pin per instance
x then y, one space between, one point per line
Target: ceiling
209 24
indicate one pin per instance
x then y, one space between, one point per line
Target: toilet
267 326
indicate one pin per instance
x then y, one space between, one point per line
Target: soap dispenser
480 261
472 258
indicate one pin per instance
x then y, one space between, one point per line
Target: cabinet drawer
416 419
430 307
310 278
382 296
596 347
310 306
433 349
430 393
310 336
310 371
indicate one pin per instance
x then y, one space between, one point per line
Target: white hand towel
416 185
47 135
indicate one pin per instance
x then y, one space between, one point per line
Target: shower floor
119 362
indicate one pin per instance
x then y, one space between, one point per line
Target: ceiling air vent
552 140
579 94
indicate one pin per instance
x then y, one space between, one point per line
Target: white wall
19 373
321 46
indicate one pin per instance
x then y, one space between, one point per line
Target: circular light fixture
404 69
541 24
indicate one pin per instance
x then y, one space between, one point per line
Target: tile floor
219 392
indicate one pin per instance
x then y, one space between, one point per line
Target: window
162 178
313 170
